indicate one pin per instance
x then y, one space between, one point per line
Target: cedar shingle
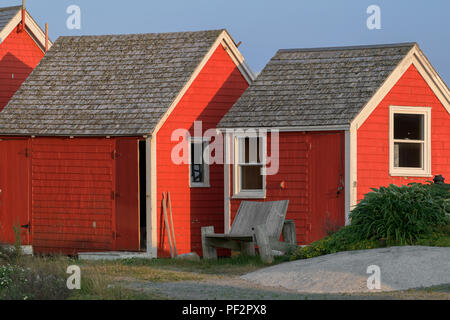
105 85
6 14
315 87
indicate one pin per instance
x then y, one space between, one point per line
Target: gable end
426 70
33 29
230 47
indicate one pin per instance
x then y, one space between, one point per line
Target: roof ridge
139 34
373 46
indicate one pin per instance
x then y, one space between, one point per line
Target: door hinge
114 154
114 195
27 153
27 226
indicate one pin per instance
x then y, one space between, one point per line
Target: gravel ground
232 288
401 268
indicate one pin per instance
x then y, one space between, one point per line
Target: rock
277 253
192 256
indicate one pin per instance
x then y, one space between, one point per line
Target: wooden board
14 190
251 214
127 195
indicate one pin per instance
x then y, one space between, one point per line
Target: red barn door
127 195
14 190
327 183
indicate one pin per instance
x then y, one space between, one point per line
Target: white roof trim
225 40
416 57
37 33
237 57
432 78
10 26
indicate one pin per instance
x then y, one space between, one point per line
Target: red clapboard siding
293 149
19 55
210 96
373 136
72 181
14 189
309 177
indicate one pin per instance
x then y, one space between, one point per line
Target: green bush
417 214
403 213
343 240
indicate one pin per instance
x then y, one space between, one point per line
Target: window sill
250 195
411 174
200 185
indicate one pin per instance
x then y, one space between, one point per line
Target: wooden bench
260 223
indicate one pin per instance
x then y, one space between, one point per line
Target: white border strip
37 33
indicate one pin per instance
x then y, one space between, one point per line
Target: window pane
408 126
197 165
197 173
408 155
251 178
251 150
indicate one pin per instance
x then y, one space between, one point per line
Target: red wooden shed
87 141
22 46
340 121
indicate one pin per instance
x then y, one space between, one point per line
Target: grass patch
103 280
121 270
33 279
236 265
440 292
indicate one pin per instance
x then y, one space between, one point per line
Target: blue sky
264 26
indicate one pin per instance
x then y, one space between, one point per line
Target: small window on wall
410 150
249 178
199 169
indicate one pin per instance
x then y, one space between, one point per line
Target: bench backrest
250 214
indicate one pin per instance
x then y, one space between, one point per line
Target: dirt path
234 288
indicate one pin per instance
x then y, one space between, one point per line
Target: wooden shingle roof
105 85
315 87
6 15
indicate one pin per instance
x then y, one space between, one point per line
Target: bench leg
289 233
262 240
248 249
209 252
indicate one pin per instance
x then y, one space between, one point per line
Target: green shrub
417 214
439 237
402 213
343 240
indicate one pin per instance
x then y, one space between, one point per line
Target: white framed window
249 168
410 141
198 167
